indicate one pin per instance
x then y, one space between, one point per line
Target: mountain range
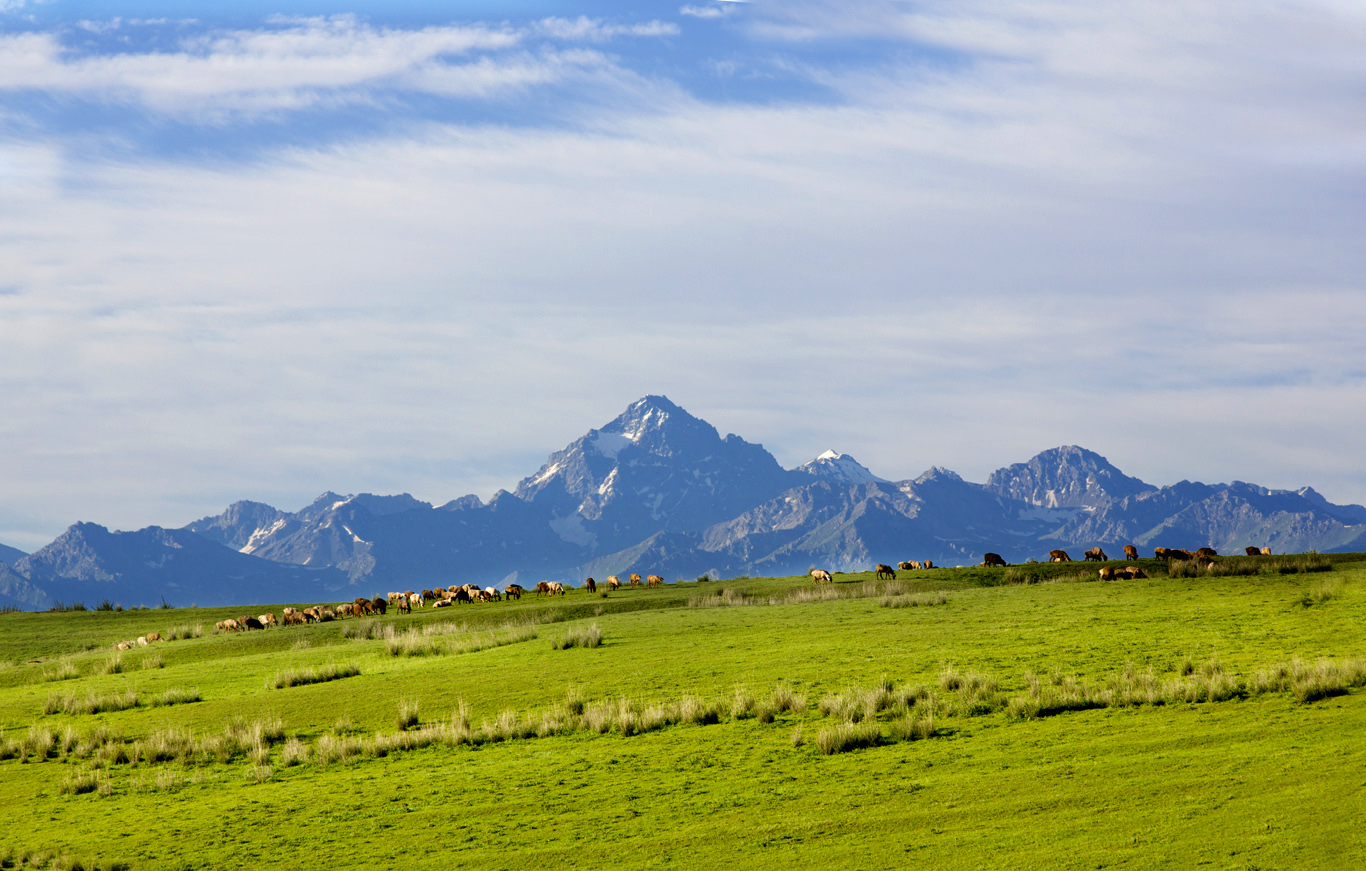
658 490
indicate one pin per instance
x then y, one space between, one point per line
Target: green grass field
959 718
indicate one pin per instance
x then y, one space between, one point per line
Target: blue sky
262 250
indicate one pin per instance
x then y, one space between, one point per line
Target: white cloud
302 62
1102 235
717 11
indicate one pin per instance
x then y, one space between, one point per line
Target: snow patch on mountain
834 466
260 535
609 444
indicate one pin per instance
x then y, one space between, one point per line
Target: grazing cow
993 559
250 623
1058 556
1206 553
1096 554
654 580
908 565
294 617
1179 553
493 594
513 591
542 588
1133 573
380 605
154 636
462 596
555 588
1107 574
1266 551
228 625
1252 551
881 570
821 576
267 619
403 605
927 564
1160 552
326 613
613 583
635 580
1130 552
428 594
592 585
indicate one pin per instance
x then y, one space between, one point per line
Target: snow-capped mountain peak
834 466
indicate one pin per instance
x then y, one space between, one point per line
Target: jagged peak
840 467
938 473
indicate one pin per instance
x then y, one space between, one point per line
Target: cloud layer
948 234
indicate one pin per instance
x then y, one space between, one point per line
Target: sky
261 250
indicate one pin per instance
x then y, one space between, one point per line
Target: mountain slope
144 567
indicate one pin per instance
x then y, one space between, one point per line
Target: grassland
966 718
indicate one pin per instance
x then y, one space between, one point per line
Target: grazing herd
1205 556
406 601
140 641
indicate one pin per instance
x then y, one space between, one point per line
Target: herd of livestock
443 597
1204 556
404 602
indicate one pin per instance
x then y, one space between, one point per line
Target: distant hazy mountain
89 563
658 490
841 468
10 555
1066 477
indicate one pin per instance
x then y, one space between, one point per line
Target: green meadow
1027 717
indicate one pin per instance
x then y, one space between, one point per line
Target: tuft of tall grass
579 636
176 696
301 676
407 714
113 664
84 781
63 670
90 703
295 752
843 737
903 600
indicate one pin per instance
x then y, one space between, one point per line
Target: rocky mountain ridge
658 490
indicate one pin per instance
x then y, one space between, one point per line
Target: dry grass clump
843 737
1321 593
781 700
184 631
407 714
300 676
801 595
969 694
90 703
1310 683
411 642
579 636
63 670
113 664
903 600
176 696
83 781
